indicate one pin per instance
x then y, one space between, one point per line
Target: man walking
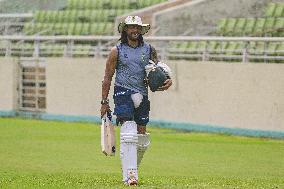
128 59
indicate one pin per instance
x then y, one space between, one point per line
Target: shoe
131 180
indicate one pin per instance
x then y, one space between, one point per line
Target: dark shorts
124 106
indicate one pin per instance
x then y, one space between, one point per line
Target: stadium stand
275 10
83 17
258 27
96 17
77 17
271 25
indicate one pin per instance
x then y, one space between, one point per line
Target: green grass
46 154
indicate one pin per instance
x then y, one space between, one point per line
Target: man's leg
143 143
141 117
128 152
124 111
141 112
141 129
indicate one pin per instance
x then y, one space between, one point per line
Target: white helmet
133 20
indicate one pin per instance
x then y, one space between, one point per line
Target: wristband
104 101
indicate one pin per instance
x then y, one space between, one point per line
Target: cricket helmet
156 78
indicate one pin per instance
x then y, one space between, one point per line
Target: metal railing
168 47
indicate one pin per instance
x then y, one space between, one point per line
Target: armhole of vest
117 54
150 47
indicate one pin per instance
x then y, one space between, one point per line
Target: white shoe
131 180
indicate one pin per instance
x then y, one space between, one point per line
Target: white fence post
205 53
36 49
245 53
8 48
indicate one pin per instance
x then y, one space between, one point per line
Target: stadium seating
271 25
102 15
275 10
251 27
79 17
219 50
95 16
110 4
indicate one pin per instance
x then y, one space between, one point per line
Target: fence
240 49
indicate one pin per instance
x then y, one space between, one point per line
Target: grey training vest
130 69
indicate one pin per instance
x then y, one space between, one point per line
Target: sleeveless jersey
130 69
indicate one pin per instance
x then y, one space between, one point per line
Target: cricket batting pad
128 150
143 144
107 135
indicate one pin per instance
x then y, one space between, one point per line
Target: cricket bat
107 135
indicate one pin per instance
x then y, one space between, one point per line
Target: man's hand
104 109
166 85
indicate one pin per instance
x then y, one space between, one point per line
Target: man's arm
154 55
109 72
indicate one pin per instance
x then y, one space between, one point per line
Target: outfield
45 154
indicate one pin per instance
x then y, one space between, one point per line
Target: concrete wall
8 84
222 94
200 17
73 86
228 95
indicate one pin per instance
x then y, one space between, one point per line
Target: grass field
45 154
